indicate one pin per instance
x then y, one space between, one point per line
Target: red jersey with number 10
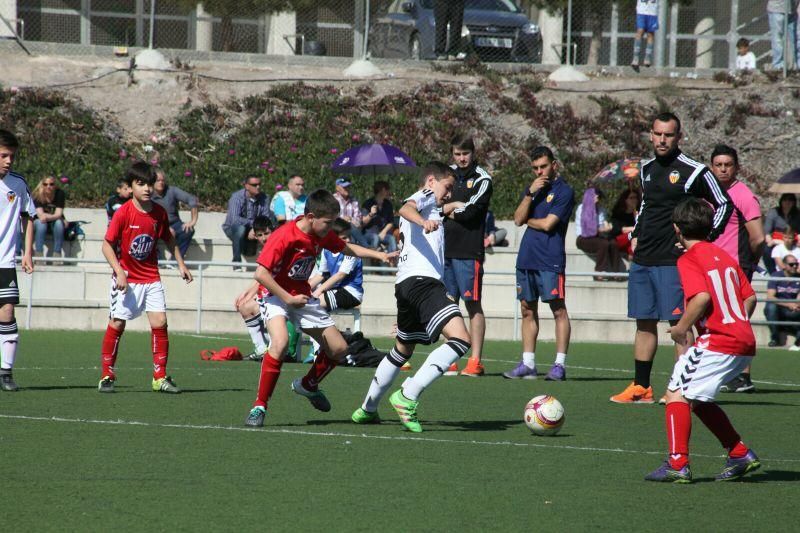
290 255
725 328
137 234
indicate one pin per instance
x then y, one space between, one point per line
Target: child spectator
787 247
116 200
745 59
49 200
775 223
492 235
646 26
623 219
340 285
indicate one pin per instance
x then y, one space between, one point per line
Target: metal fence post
569 32
614 41
199 320
152 21
673 35
86 22
733 34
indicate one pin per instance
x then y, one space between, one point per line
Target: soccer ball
544 415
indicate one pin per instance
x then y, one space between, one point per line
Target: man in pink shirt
743 237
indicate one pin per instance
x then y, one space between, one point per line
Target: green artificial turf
73 459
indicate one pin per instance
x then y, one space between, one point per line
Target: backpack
360 351
74 231
229 353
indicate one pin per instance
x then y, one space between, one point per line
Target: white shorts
138 298
310 316
699 373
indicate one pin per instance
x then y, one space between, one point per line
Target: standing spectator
49 200
492 235
778 218
545 209
787 247
463 244
377 217
168 197
789 310
623 219
654 287
745 59
593 228
244 206
646 26
116 200
777 11
449 18
350 211
288 205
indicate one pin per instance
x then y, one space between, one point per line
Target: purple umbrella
789 182
373 160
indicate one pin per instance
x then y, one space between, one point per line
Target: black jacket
463 234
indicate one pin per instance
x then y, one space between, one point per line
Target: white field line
357 436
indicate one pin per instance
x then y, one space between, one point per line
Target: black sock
746 376
642 376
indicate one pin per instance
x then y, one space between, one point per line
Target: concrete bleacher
80 300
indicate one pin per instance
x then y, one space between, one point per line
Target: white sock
529 358
8 344
432 369
385 374
561 358
255 327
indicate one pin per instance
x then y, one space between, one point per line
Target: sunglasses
790 264
254 184
48 184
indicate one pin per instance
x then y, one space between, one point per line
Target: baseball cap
344 182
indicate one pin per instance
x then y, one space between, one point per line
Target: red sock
718 423
322 367
160 352
738 451
679 428
109 351
270 372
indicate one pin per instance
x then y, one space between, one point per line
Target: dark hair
251 176
668 116
462 141
140 171
741 43
322 203
438 169
379 186
724 149
620 208
542 151
262 224
340 226
8 140
695 218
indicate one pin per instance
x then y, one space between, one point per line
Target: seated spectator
592 227
291 203
169 197
492 235
745 59
787 247
623 218
244 206
788 290
778 219
377 217
350 211
340 283
49 200
116 200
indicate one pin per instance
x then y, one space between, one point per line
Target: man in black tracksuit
463 244
654 287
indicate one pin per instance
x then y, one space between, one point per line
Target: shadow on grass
757 403
761 391
772 475
477 425
59 387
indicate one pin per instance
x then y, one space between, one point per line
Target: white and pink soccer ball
544 415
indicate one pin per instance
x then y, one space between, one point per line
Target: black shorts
9 288
423 309
339 298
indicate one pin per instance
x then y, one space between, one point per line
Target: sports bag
229 353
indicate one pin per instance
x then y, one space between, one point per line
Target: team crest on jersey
674 176
141 246
469 183
549 198
11 196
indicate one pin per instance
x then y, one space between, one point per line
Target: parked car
496 30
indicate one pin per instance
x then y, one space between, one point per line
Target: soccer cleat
407 411
317 397
473 369
634 393
253 356
557 373
666 474
7 383
360 416
406 367
738 467
662 400
521 371
256 417
452 370
106 384
165 385
738 384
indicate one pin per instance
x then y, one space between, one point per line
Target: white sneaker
794 348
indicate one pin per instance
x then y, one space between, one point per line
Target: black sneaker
738 384
773 343
7 383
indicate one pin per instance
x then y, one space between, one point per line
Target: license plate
493 42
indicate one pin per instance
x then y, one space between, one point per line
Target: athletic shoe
317 397
521 371
666 474
253 356
256 417
557 373
360 416
738 384
406 367
662 400
737 467
634 393
774 344
7 383
165 385
794 348
452 370
407 411
106 384
473 369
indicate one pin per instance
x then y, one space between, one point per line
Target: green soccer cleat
106 384
165 385
360 416
256 417
407 411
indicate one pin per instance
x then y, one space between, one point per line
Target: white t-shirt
15 201
647 7
421 254
779 251
746 62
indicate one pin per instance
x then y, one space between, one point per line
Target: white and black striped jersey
15 202
421 254
464 232
665 183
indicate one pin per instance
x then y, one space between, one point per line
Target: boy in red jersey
284 266
719 302
136 284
